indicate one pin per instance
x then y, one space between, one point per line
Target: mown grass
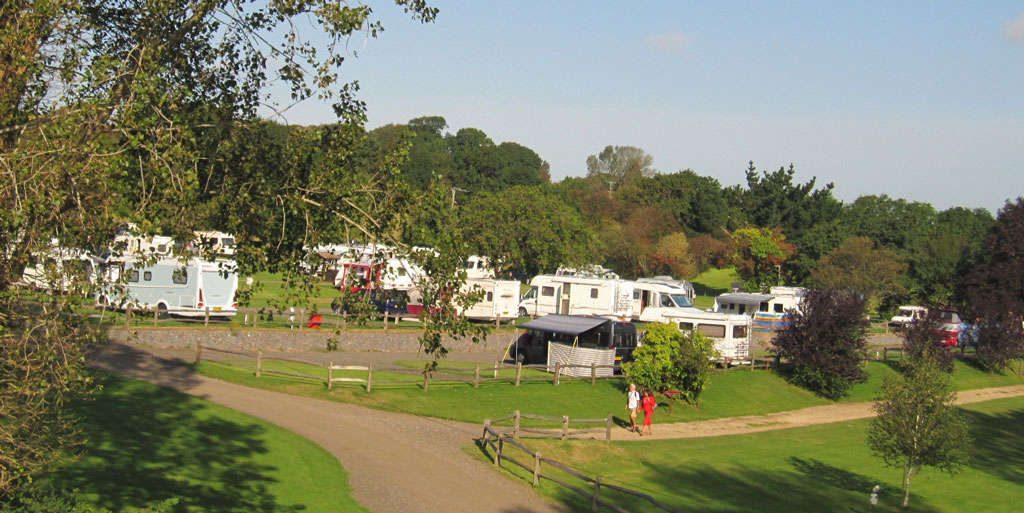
738 392
711 283
818 468
145 444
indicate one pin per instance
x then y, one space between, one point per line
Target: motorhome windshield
681 300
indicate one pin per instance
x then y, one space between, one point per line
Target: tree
525 228
825 342
994 290
858 266
917 425
942 260
709 252
922 343
620 164
758 254
630 245
697 202
672 254
152 110
672 360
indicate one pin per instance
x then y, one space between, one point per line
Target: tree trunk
906 485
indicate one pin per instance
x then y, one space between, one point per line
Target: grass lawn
709 284
738 392
822 468
146 444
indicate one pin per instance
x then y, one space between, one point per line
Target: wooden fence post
476 377
302 317
497 456
426 381
369 376
199 351
519 372
385 317
515 425
127 316
536 468
608 429
206 317
156 316
255 318
593 373
497 322
597 493
558 370
565 427
885 354
753 362
259 363
330 375
496 370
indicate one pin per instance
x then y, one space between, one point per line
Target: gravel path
397 463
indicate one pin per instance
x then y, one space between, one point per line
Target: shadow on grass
146 444
703 290
997 447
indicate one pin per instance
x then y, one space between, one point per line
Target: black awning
567 324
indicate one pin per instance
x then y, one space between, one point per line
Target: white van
908 314
655 300
574 295
500 299
172 287
730 332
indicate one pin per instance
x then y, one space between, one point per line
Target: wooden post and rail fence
495 441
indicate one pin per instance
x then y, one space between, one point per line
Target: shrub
672 360
825 342
922 343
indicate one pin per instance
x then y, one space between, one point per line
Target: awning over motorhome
567 324
744 298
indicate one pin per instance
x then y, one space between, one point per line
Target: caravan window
636 294
490 297
593 293
763 308
147 276
712 330
739 332
666 301
132 276
547 291
778 308
743 309
686 326
180 276
469 264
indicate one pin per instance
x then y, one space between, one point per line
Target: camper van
172 287
574 295
731 332
58 269
576 339
218 243
767 310
684 285
478 267
500 299
654 300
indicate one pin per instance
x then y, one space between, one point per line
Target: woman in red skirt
648 404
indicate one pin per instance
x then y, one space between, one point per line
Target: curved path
396 463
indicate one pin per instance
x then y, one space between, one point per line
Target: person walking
632 403
648 404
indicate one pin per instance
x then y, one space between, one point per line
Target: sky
917 100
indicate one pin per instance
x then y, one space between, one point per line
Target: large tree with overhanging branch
146 112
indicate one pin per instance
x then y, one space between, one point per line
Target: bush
825 342
672 360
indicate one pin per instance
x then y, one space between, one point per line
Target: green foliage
917 425
758 254
672 360
825 342
620 164
857 265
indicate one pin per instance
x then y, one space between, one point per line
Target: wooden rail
517 430
495 441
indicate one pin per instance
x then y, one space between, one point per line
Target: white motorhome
500 299
588 271
574 295
58 269
219 243
129 244
686 286
478 268
731 332
767 310
172 287
653 300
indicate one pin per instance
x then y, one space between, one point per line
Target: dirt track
405 464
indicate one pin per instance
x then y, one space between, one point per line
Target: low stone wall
296 340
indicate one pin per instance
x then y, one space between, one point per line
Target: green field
738 392
823 468
146 444
709 284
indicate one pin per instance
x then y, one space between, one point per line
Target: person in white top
632 403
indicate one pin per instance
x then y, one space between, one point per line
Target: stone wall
296 340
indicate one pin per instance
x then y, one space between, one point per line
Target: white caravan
574 295
189 288
686 286
58 269
478 268
776 302
500 299
730 332
908 314
654 300
219 243
588 271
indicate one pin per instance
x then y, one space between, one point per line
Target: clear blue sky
918 100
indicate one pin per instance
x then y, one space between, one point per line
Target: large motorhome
573 295
500 299
191 288
684 285
731 332
653 300
767 310
478 267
